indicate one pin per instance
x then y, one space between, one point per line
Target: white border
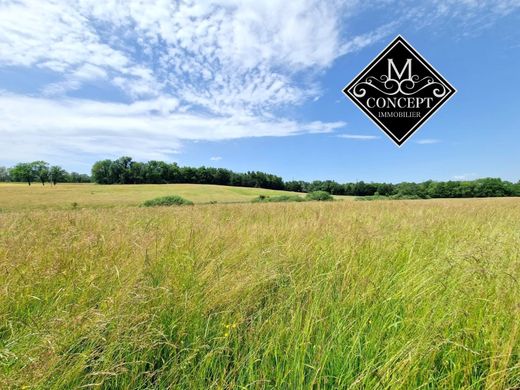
375 120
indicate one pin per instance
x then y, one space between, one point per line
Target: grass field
16 196
363 295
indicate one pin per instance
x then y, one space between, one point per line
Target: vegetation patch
330 295
172 200
311 196
280 198
391 197
319 195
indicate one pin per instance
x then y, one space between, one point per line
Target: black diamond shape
399 90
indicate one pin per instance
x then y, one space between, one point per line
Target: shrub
319 195
280 198
391 197
406 196
172 200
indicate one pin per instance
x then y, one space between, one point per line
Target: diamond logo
399 90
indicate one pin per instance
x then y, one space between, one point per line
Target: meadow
345 294
17 196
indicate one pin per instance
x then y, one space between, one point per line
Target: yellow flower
226 334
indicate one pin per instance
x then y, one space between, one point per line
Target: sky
254 85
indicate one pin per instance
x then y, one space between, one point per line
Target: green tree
156 172
57 174
101 172
137 172
120 170
4 174
75 177
385 189
22 172
295 185
41 171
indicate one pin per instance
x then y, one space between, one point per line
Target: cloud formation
427 141
358 137
181 70
189 70
144 129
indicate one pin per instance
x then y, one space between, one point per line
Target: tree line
479 188
125 170
42 172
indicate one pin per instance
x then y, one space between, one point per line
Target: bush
319 195
280 198
172 200
406 197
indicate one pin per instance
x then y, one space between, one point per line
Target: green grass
363 295
280 198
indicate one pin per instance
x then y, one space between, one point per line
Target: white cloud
465 176
73 81
358 137
216 158
427 141
466 16
223 55
144 129
190 70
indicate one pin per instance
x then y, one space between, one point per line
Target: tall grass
19 196
278 295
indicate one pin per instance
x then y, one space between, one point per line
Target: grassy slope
16 196
390 294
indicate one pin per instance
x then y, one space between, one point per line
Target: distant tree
4 174
101 172
385 189
348 189
329 186
295 186
364 189
57 174
123 170
223 176
176 173
23 172
137 172
406 189
75 177
120 170
190 174
156 172
490 187
41 171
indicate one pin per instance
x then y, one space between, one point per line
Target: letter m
407 65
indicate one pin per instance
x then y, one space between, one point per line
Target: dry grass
17 196
390 294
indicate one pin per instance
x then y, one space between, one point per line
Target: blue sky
250 86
